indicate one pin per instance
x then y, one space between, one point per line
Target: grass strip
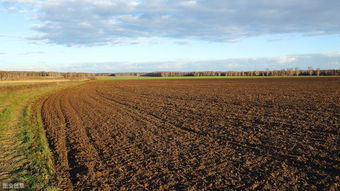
22 108
36 149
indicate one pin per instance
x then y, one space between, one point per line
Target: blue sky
163 35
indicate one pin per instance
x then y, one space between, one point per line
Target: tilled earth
219 134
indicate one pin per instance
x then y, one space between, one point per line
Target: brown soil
229 134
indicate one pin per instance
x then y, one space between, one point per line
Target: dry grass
24 82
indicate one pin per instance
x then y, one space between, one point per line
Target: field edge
113 78
41 173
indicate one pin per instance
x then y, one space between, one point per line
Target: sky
168 35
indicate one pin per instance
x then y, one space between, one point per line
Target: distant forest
24 75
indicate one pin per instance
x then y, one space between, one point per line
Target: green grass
14 119
17 107
8 103
4 119
108 78
35 148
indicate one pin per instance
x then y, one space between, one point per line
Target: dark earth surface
218 134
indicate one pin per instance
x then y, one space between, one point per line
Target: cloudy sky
164 35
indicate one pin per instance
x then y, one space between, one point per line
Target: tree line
24 75
288 72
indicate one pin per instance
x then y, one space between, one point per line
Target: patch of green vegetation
2 98
20 111
4 118
108 78
35 148
35 145
8 104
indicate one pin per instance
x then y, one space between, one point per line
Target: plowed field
220 134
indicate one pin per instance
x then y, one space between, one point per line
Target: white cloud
21 1
170 65
321 60
101 22
189 3
331 54
285 60
32 52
